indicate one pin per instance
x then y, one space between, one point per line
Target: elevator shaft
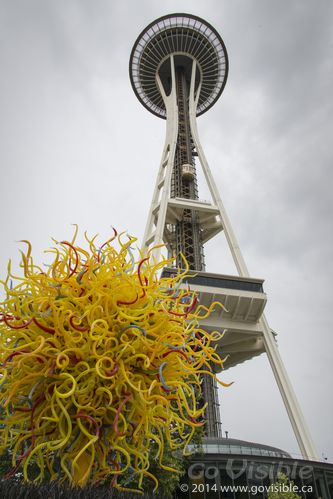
187 232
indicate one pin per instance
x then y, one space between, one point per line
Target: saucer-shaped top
187 37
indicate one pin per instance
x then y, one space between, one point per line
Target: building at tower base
236 469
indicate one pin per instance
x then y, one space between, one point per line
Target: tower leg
158 207
296 418
302 434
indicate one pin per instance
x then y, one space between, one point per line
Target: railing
218 281
224 448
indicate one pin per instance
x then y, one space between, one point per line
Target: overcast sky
76 146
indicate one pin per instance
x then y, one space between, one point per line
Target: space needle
178 70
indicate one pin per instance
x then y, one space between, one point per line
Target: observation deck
187 38
244 300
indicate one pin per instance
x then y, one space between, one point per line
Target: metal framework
178 69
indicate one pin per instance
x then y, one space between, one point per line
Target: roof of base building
235 446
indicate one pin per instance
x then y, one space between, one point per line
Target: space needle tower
178 70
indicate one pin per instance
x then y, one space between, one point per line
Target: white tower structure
178 70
